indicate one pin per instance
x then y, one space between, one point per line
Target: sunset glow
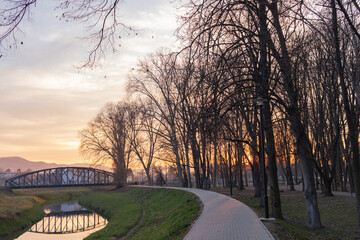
46 100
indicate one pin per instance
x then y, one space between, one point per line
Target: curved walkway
225 218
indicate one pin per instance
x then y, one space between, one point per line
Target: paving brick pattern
224 218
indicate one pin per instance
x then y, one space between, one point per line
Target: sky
45 100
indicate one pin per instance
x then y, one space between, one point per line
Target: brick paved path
224 218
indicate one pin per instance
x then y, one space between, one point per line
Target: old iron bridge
61 177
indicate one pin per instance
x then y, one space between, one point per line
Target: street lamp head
260 101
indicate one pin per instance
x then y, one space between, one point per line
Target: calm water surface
65 221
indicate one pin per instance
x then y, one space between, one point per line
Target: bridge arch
61 177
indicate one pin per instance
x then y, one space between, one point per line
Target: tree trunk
351 179
296 169
306 158
345 178
350 115
188 164
215 161
196 156
147 171
302 142
246 177
177 158
120 174
289 175
317 180
240 167
256 178
270 146
327 188
268 126
185 184
223 179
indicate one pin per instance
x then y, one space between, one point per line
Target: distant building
7 175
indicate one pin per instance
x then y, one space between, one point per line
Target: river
68 221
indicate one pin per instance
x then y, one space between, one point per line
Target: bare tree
239 25
284 145
156 80
143 137
351 116
104 139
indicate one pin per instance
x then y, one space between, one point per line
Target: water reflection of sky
70 218
63 207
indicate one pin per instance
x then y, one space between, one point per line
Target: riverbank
144 213
21 208
137 213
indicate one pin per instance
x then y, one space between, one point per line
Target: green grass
21 208
338 216
168 213
122 213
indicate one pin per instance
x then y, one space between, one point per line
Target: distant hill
15 163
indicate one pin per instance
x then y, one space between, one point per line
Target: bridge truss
61 177
68 222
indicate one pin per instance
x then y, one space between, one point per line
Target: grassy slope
22 208
338 215
122 213
168 213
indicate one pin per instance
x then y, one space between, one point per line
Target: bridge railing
61 177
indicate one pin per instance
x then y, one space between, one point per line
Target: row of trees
120 133
200 111
197 106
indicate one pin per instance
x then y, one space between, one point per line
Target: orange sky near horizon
45 100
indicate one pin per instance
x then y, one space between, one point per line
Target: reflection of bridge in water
68 222
61 177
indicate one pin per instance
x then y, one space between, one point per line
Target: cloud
45 100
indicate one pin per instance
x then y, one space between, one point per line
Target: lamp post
260 102
229 152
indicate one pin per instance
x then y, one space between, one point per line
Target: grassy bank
21 208
121 211
338 215
168 214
